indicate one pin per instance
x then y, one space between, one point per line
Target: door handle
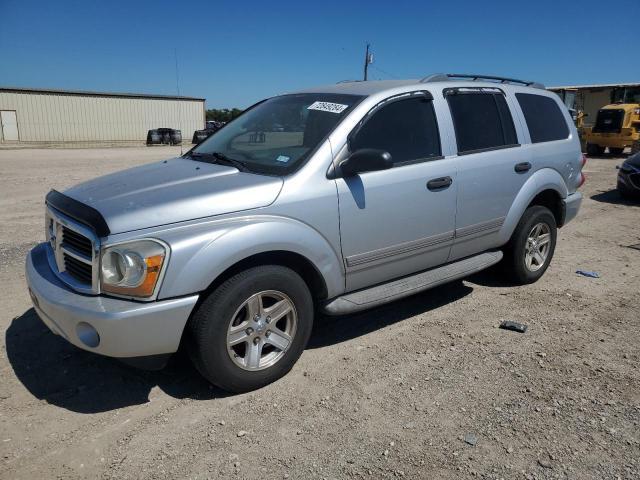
439 183
522 167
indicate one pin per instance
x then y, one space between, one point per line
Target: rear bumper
108 326
570 207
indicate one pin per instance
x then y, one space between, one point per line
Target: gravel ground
427 387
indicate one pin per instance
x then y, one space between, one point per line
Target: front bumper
104 325
629 183
571 205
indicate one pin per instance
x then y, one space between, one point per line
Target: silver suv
333 199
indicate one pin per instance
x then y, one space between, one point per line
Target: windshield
279 134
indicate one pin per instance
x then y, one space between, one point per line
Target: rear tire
616 151
232 337
531 248
594 150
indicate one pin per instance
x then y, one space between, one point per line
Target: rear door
491 165
398 221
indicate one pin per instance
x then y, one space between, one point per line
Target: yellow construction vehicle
617 125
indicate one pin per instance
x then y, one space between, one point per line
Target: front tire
251 330
531 248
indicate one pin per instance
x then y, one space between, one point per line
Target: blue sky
235 53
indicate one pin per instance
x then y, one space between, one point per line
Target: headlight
132 269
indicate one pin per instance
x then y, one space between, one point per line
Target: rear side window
482 120
407 129
544 118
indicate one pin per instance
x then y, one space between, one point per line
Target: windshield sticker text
328 107
283 158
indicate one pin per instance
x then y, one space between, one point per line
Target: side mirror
365 160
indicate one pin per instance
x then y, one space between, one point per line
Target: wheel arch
545 187
293 260
201 261
552 200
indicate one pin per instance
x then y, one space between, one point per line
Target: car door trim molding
413 247
480 229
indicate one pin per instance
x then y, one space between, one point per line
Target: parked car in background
629 177
387 189
154 137
211 127
166 136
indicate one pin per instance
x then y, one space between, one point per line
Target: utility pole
368 58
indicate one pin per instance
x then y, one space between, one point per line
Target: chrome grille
76 241
74 252
78 269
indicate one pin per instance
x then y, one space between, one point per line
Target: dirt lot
393 392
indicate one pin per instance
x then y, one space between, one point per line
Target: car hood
633 161
172 191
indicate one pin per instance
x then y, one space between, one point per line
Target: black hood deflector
79 211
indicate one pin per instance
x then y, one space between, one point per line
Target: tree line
223 114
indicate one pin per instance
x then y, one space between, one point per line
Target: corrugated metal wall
60 117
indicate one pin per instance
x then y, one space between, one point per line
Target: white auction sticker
328 107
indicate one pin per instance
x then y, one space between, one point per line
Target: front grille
76 241
78 269
74 250
609 121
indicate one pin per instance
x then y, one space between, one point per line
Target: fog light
87 334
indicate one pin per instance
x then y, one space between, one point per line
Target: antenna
175 54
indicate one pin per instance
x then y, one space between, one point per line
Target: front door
9 123
398 221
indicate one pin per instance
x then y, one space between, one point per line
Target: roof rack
444 77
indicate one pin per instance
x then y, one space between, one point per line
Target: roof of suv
372 87
360 87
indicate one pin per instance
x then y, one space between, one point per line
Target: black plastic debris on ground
635 246
515 326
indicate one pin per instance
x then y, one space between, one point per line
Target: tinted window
544 118
407 129
481 120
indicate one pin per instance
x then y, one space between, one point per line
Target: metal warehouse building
30 115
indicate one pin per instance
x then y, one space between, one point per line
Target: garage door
9 125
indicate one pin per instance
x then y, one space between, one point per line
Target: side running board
396 289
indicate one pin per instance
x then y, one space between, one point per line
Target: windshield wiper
230 161
221 158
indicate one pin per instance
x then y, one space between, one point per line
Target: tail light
583 179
